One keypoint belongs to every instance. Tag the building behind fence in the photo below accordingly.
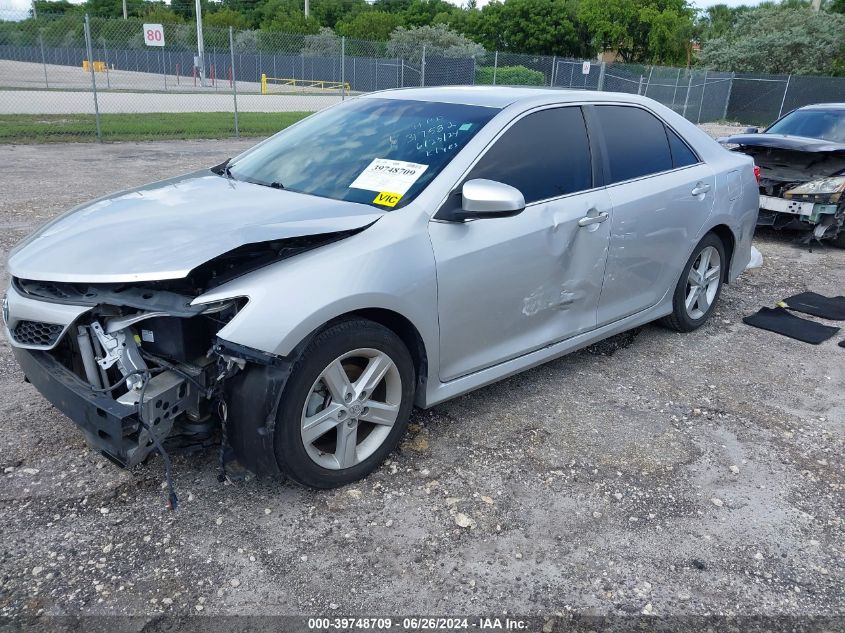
(44, 70)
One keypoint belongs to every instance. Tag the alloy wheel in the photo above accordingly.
(351, 408)
(703, 282)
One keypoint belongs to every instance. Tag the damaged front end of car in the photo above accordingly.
(802, 183)
(138, 365)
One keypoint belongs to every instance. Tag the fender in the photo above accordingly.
(289, 300)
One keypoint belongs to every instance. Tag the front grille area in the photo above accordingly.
(37, 333)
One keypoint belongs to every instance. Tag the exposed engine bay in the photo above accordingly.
(142, 364)
(150, 350)
(802, 186)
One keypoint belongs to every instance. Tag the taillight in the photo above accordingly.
(757, 173)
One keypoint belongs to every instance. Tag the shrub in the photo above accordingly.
(510, 76)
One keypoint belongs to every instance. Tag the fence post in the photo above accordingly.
(43, 58)
(343, 68)
(106, 60)
(701, 101)
(422, 68)
(90, 50)
(601, 77)
(686, 100)
(234, 81)
(648, 81)
(640, 86)
(785, 90)
(728, 98)
(554, 68)
(163, 69)
(675, 92)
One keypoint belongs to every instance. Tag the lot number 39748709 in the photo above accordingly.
(154, 35)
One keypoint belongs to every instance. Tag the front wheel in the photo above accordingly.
(346, 404)
(699, 286)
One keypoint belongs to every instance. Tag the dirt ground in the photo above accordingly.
(664, 474)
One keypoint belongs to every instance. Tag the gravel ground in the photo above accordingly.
(663, 473)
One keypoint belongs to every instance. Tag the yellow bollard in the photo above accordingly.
(263, 84)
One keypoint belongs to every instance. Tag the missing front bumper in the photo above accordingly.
(109, 426)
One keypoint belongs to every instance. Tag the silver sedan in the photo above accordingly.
(398, 249)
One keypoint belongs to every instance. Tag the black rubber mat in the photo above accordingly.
(818, 305)
(783, 322)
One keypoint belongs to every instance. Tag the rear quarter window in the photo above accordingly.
(682, 155)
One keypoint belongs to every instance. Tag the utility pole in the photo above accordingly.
(124, 10)
(200, 44)
(307, 9)
(35, 11)
(816, 5)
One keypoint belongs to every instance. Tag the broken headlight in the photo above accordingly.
(824, 190)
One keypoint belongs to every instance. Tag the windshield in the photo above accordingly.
(824, 124)
(381, 152)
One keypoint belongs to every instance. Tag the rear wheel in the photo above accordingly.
(699, 286)
(839, 240)
(345, 406)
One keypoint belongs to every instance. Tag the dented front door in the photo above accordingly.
(508, 286)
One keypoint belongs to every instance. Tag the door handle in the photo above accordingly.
(700, 187)
(587, 220)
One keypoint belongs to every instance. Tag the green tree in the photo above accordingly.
(439, 40)
(186, 9)
(392, 6)
(548, 27)
(287, 16)
(324, 43)
(626, 26)
(113, 8)
(778, 39)
(425, 12)
(55, 7)
(717, 21)
(330, 12)
(370, 25)
(225, 18)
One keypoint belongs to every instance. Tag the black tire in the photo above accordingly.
(334, 341)
(839, 240)
(680, 319)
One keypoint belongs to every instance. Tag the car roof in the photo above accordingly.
(501, 96)
(824, 106)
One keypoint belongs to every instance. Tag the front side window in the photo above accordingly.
(636, 142)
(545, 154)
(382, 152)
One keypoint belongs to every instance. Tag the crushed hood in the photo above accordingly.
(781, 141)
(164, 230)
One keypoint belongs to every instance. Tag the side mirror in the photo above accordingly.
(751, 130)
(481, 198)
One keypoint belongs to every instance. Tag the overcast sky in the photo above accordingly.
(23, 5)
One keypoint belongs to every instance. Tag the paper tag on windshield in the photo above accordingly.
(383, 174)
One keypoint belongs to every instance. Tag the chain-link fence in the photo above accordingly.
(95, 77)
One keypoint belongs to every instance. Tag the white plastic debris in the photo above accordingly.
(756, 259)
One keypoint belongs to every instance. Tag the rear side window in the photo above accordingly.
(545, 154)
(636, 142)
(681, 154)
